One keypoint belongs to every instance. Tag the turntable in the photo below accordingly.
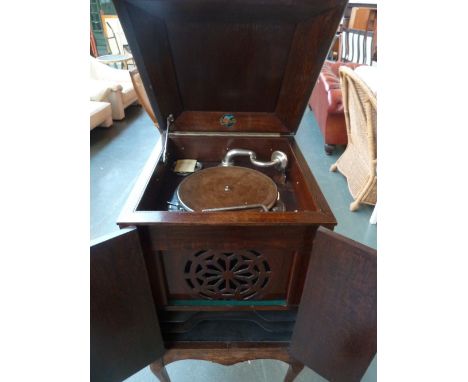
(227, 189)
(231, 188)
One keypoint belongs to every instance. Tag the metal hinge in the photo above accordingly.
(169, 122)
(223, 134)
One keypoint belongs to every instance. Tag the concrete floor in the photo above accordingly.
(117, 157)
(118, 154)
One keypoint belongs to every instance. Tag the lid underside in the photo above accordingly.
(230, 65)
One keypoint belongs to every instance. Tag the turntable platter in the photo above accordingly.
(226, 187)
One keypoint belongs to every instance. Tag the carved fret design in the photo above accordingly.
(239, 275)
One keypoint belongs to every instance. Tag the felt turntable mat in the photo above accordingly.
(219, 187)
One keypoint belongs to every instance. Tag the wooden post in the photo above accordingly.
(159, 370)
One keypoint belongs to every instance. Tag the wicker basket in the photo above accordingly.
(359, 161)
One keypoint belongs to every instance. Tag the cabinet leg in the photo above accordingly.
(159, 370)
(293, 370)
(329, 149)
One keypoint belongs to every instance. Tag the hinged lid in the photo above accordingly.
(230, 65)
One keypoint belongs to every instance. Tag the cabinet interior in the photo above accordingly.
(209, 151)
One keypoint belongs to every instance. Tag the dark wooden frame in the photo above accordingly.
(267, 98)
(290, 232)
(308, 188)
(164, 66)
(334, 332)
(227, 355)
(173, 43)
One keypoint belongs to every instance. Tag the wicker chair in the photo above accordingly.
(358, 163)
(142, 95)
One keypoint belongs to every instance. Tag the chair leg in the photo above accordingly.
(159, 370)
(373, 218)
(115, 99)
(329, 149)
(354, 206)
(107, 123)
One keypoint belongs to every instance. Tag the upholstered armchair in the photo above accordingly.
(327, 105)
(100, 109)
(121, 92)
(100, 114)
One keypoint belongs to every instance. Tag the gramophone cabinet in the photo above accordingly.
(220, 76)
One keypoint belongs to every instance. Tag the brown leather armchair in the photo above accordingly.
(327, 105)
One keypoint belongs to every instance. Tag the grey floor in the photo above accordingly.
(118, 155)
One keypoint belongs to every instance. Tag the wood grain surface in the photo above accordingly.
(230, 56)
(336, 327)
(125, 334)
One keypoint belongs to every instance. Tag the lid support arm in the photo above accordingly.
(169, 122)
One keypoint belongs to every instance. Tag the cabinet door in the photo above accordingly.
(125, 334)
(336, 327)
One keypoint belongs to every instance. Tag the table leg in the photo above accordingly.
(159, 370)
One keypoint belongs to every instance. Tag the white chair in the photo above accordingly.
(121, 92)
(100, 114)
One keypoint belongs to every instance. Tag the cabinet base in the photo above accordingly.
(254, 327)
(226, 354)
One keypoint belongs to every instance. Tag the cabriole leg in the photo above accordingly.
(293, 370)
(329, 149)
(159, 370)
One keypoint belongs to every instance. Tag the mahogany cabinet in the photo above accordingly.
(221, 76)
(333, 332)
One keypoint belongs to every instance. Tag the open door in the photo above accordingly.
(336, 327)
(125, 334)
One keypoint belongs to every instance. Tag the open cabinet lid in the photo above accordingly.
(336, 327)
(243, 66)
(125, 334)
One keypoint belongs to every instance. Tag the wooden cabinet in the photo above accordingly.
(222, 76)
(333, 333)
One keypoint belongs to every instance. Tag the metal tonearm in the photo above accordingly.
(278, 159)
